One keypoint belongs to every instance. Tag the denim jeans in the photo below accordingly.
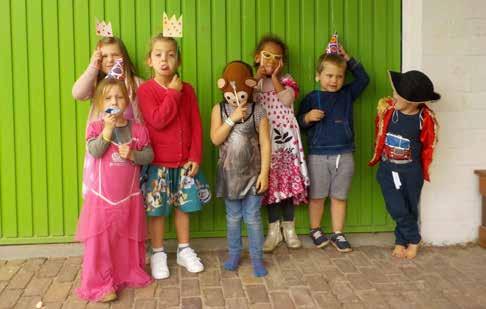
(403, 203)
(247, 208)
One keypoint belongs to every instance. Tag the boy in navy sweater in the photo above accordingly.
(326, 115)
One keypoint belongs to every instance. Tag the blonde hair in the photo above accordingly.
(332, 58)
(128, 67)
(102, 88)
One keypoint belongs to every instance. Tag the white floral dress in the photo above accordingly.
(288, 171)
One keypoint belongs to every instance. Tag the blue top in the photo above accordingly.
(333, 134)
(402, 142)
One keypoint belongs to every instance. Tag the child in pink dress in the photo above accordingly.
(289, 179)
(112, 223)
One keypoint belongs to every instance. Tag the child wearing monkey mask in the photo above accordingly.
(240, 129)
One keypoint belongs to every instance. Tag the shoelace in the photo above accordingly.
(340, 238)
(317, 234)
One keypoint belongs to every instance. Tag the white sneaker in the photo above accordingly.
(189, 259)
(158, 265)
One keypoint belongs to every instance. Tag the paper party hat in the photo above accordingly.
(103, 29)
(333, 45)
(172, 26)
(116, 71)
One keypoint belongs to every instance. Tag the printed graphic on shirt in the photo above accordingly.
(397, 148)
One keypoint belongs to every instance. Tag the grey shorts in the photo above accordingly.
(330, 176)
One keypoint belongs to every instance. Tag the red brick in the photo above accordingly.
(359, 282)
(27, 302)
(302, 297)
(170, 296)
(236, 303)
(68, 273)
(145, 292)
(125, 299)
(37, 286)
(50, 268)
(8, 271)
(281, 300)
(58, 292)
(345, 266)
(190, 287)
(20, 280)
(191, 303)
(232, 288)
(213, 297)
(210, 278)
(145, 304)
(257, 294)
(316, 283)
(9, 298)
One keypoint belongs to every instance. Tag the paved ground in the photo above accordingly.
(453, 277)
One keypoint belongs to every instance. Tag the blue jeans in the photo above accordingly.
(247, 208)
(402, 204)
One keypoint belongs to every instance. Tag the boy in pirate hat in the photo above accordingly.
(406, 135)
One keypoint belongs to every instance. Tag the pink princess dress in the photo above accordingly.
(288, 171)
(112, 222)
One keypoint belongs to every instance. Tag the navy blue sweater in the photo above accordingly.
(334, 133)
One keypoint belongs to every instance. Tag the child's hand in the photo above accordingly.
(262, 183)
(125, 151)
(109, 121)
(175, 83)
(260, 73)
(192, 167)
(96, 59)
(239, 113)
(278, 69)
(314, 115)
(343, 53)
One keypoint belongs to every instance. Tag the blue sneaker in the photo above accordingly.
(318, 238)
(340, 242)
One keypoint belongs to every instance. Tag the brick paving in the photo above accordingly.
(445, 277)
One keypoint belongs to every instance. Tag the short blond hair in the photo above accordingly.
(102, 88)
(332, 58)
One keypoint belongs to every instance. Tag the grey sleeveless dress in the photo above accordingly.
(239, 156)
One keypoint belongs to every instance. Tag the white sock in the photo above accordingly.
(160, 249)
(182, 246)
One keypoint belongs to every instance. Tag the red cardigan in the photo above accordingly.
(428, 133)
(173, 121)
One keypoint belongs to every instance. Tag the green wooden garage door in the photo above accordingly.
(46, 44)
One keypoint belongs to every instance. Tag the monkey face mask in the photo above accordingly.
(237, 83)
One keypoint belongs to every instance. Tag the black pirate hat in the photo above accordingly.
(413, 86)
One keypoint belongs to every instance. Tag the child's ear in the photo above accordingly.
(317, 78)
(257, 58)
(250, 82)
(221, 83)
(149, 62)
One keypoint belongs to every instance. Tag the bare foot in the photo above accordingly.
(399, 251)
(412, 250)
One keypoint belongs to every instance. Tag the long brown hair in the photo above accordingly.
(128, 67)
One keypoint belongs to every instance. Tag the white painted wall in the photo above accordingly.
(447, 40)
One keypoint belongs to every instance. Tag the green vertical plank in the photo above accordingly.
(248, 30)
(97, 12)
(174, 8)
(38, 124)
(22, 119)
(277, 17)
(203, 75)
(83, 52)
(53, 118)
(381, 88)
(263, 17)
(366, 112)
(190, 68)
(112, 14)
(292, 38)
(219, 59)
(8, 196)
(355, 205)
(336, 18)
(323, 30)
(143, 35)
(128, 28)
(68, 117)
(157, 9)
(233, 24)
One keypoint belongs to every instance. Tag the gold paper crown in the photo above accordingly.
(172, 27)
(103, 29)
